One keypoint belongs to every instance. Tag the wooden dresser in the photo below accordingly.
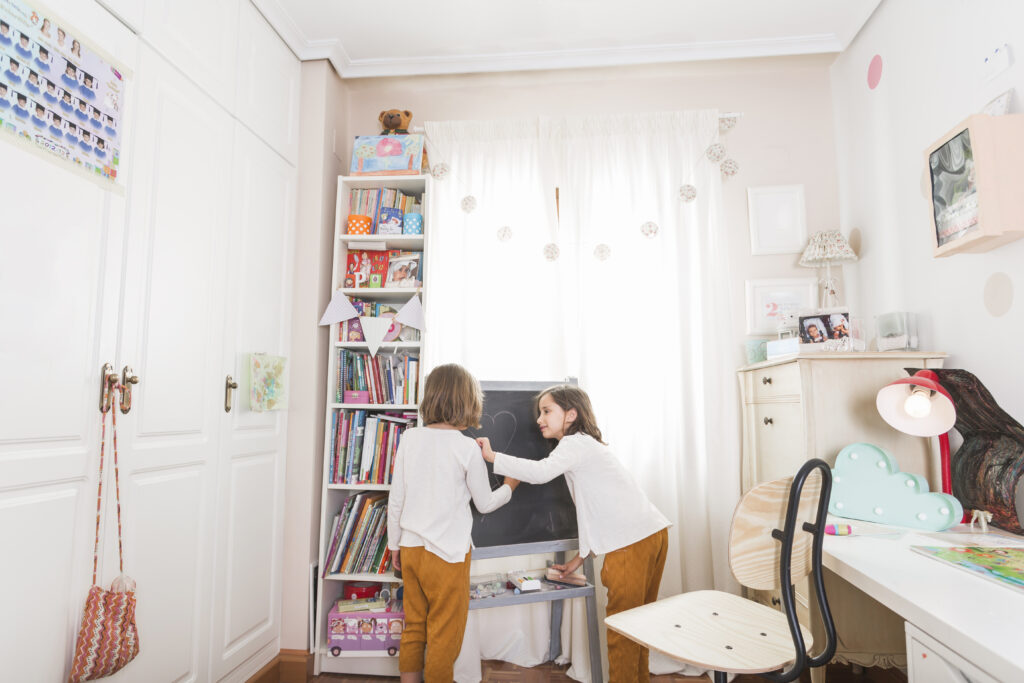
(797, 408)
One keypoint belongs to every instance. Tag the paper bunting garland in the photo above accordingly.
(374, 330)
(411, 314)
(339, 310)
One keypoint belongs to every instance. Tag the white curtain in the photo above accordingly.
(641, 320)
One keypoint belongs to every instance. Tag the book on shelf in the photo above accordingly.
(390, 221)
(373, 201)
(365, 268)
(389, 378)
(364, 446)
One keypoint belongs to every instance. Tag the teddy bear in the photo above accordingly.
(395, 121)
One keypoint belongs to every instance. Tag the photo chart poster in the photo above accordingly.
(58, 91)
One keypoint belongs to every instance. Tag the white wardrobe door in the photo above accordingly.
(247, 592)
(200, 37)
(173, 320)
(268, 84)
(61, 241)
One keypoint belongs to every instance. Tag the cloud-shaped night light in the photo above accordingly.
(867, 484)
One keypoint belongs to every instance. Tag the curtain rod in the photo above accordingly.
(726, 115)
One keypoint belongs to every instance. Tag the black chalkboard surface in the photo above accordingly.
(536, 513)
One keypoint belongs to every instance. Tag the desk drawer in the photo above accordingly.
(929, 661)
(778, 440)
(776, 381)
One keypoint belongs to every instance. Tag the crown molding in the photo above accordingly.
(306, 49)
(297, 41)
(571, 59)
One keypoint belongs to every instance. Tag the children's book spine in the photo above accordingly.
(331, 544)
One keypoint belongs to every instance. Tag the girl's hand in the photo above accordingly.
(396, 562)
(485, 448)
(512, 483)
(569, 567)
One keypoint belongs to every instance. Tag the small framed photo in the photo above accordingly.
(821, 327)
(404, 271)
(775, 301)
(778, 219)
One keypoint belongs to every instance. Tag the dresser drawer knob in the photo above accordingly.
(769, 421)
(766, 380)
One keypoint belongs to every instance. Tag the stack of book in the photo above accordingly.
(363, 446)
(359, 538)
(369, 202)
(382, 379)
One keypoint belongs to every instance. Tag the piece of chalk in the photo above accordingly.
(839, 530)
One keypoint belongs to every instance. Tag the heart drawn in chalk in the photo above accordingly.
(500, 428)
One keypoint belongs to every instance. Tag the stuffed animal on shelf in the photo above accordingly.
(395, 121)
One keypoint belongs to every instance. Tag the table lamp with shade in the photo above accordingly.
(823, 249)
(920, 406)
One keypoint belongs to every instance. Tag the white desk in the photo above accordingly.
(975, 617)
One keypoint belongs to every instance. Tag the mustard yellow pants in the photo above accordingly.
(436, 604)
(632, 576)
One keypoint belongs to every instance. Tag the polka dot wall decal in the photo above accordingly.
(602, 252)
(998, 294)
(875, 71)
(730, 168)
(504, 234)
(551, 251)
(468, 203)
(687, 193)
(649, 229)
(440, 171)
(716, 152)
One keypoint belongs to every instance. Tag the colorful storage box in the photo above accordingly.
(364, 631)
(359, 224)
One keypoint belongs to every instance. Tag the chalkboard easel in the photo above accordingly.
(538, 519)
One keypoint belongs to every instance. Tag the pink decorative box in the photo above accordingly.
(356, 397)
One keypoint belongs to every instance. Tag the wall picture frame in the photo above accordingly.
(778, 300)
(778, 219)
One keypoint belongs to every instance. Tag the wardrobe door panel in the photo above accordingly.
(171, 337)
(247, 605)
(268, 84)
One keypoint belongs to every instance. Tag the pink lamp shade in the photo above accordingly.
(917, 405)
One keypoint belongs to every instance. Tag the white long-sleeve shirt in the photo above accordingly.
(611, 510)
(437, 471)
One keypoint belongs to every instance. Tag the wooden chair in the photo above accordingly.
(725, 633)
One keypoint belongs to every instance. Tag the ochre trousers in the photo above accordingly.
(632, 576)
(436, 606)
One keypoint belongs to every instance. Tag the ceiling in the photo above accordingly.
(407, 37)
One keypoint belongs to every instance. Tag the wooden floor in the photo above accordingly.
(502, 672)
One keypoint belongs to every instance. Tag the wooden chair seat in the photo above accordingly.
(712, 630)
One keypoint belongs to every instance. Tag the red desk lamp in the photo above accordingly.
(919, 406)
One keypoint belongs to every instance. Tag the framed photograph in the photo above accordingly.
(778, 219)
(821, 327)
(775, 301)
(404, 270)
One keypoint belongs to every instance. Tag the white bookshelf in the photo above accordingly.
(333, 496)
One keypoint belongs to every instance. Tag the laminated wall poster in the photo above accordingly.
(267, 383)
(59, 92)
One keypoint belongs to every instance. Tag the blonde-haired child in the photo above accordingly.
(613, 515)
(437, 471)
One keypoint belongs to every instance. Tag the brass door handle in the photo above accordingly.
(128, 378)
(108, 380)
(229, 384)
